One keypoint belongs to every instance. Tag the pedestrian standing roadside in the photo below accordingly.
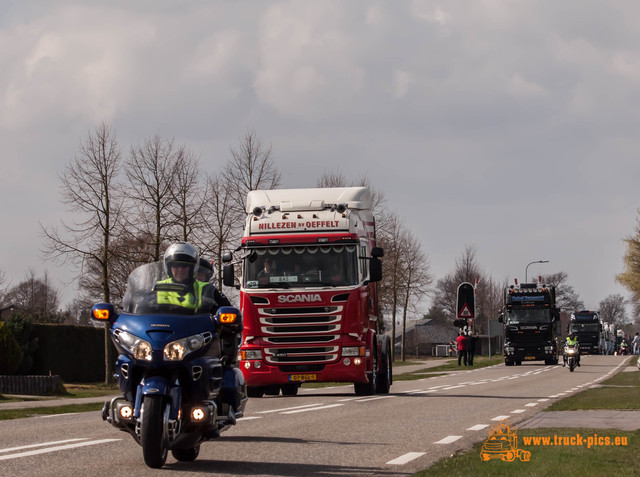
(471, 347)
(462, 348)
(636, 344)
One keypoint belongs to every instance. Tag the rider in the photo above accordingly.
(572, 341)
(181, 261)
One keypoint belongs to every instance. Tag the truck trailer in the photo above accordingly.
(308, 291)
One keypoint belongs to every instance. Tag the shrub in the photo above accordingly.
(10, 352)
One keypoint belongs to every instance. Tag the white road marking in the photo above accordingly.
(289, 408)
(313, 408)
(448, 440)
(403, 459)
(374, 398)
(500, 418)
(531, 404)
(56, 415)
(57, 448)
(12, 449)
(453, 387)
(478, 427)
(518, 411)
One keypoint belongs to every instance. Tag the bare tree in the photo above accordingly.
(489, 301)
(37, 297)
(89, 187)
(188, 195)
(612, 309)
(221, 223)
(391, 239)
(417, 279)
(566, 297)
(251, 167)
(151, 169)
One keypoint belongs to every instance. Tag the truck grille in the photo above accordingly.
(315, 354)
(301, 335)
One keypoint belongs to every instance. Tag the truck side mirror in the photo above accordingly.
(375, 270)
(227, 257)
(501, 318)
(377, 252)
(228, 275)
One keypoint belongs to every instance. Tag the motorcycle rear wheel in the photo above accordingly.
(154, 450)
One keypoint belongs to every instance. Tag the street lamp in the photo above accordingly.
(527, 267)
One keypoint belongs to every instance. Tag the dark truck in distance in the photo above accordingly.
(587, 328)
(531, 321)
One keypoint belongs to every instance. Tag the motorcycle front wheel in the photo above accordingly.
(154, 450)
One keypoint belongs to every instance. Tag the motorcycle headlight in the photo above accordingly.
(139, 348)
(177, 350)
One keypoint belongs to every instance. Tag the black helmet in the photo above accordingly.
(181, 253)
(572, 335)
(205, 270)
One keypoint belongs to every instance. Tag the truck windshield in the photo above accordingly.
(585, 327)
(295, 267)
(529, 315)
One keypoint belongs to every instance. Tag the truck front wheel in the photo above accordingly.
(386, 372)
(366, 389)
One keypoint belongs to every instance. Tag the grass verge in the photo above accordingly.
(7, 414)
(576, 453)
(551, 460)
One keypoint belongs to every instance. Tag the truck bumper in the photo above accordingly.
(339, 372)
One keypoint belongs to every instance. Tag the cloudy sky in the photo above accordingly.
(509, 126)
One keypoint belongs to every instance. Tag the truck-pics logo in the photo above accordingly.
(502, 443)
(309, 298)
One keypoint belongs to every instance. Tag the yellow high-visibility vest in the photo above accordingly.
(188, 301)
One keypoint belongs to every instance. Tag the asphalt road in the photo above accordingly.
(321, 432)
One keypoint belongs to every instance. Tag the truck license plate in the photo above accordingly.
(303, 377)
(529, 357)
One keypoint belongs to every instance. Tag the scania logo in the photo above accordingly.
(309, 298)
(528, 327)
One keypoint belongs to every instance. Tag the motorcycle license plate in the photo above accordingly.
(303, 377)
(529, 357)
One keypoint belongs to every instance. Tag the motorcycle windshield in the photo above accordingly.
(150, 291)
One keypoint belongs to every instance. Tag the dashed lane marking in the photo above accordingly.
(403, 459)
(478, 427)
(57, 448)
(448, 440)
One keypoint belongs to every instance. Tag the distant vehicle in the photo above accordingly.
(531, 324)
(585, 324)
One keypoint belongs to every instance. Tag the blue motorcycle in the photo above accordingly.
(177, 369)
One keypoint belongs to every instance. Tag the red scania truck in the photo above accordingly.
(308, 291)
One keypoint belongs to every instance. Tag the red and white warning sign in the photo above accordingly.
(465, 312)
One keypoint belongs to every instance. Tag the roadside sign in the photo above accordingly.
(466, 301)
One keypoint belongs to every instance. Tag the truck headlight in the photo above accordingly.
(548, 349)
(177, 350)
(249, 354)
(139, 348)
(353, 351)
(509, 349)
